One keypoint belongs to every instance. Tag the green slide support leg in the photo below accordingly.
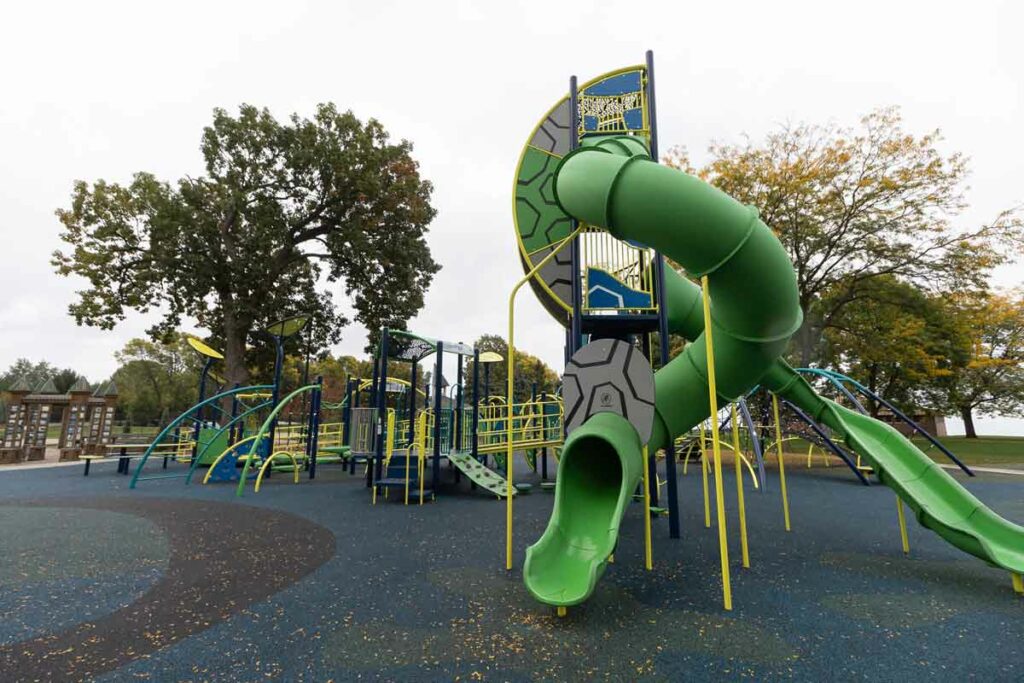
(601, 465)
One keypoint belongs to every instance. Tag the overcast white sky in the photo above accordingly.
(103, 89)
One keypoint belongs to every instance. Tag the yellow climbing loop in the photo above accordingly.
(267, 464)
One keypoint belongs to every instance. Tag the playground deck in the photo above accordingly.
(310, 582)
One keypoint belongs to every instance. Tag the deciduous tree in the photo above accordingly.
(854, 204)
(280, 208)
(989, 378)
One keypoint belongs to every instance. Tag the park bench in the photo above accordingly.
(126, 452)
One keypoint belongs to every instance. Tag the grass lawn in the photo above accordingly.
(985, 450)
(997, 451)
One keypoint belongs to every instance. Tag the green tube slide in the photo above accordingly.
(595, 483)
(611, 182)
(939, 502)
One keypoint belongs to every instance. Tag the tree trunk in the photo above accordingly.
(874, 407)
(809, 337)
(234, 350)
(967, 416)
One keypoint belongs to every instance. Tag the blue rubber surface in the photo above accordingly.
(420, 593)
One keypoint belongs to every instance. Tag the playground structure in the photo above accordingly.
(403, 433)
(596, 218)
(399, 431)
(86, 422)
(594, 214)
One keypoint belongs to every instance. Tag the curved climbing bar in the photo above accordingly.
(188, 414)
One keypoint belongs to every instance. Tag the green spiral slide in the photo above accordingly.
(611, 182)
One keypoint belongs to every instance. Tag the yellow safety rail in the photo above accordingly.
(331, 434)
(419, 445)
(534, 424)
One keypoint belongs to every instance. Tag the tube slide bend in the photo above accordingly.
(611, 182)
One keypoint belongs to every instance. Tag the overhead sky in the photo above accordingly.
(103, 89)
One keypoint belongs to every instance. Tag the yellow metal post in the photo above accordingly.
(739, 487)
(782, 463)
(1018, 582)
(716, 449)
(511, 369)
(648, 550)
(903, 526)
(704, 477)
(561, 610)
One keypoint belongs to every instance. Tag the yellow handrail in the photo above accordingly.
(511, 370)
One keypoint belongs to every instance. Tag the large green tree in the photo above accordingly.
(37, 373)
(896, 340)
(854, 204)
(988, 377)
(280, 208)
(156, 380)
(530, 371)
(33, 373)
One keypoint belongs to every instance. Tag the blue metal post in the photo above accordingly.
(197, 421)
(436, 464)
(276, 391)
(312, 442)
(382, 405)
(828, 442)
(458, 403)
(663, 336)
(412, 403)
(755, 440)
(476, 399)
(577, 286)
(233, 431)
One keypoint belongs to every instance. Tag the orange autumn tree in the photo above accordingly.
(988, 378)
(851, 205)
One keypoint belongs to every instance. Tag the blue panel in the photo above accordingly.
(634, 119)
(616, 85)
(605, 291)
(589, 123)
